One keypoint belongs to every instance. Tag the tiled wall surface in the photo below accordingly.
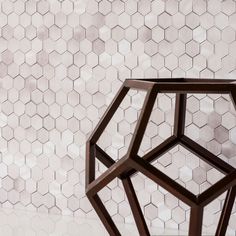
(61, 63)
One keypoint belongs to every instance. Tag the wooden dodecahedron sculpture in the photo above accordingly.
(132, 163)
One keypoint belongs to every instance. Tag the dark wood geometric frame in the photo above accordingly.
(131, 163)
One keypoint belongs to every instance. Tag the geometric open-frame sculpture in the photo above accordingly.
(132, 163)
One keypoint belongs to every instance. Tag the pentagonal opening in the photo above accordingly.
(211, 122)
(162, 210)
(187, 169)
(160, 124)
(116, 137)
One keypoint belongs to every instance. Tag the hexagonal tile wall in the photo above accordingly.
(61, 63)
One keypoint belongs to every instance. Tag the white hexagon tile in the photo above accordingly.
(61, 63)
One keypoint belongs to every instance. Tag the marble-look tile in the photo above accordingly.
(61, 63)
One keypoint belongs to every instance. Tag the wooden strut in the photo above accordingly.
(131, 163)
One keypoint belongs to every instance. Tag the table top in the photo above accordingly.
(184, 85)
(184, 80)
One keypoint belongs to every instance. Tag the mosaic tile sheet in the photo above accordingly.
(61, 63)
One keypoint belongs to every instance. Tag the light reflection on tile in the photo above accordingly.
(22, 223)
